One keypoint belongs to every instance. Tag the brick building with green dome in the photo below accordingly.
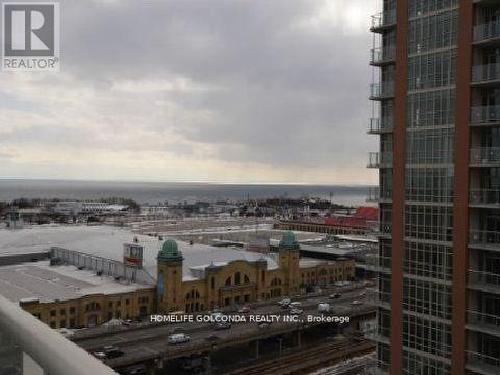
(240, 281)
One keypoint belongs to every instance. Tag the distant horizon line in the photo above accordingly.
(184, 182)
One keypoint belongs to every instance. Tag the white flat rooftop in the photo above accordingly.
(41, 281)
(107, 242)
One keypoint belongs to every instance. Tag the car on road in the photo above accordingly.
(112, 352)
(222, 325)
(295, 305)
(99, 355)
(296, 311)
(356, 303)
(335, 296)
(245, 309)
(285, 302)
(212, 338)
(178, 338)
(363, 293)
(324, 307)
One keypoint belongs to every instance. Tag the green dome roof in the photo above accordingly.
(169, 250)
(288, 241)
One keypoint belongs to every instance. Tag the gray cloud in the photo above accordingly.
(264, 84)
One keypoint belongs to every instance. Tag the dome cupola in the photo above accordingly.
(169, 251)
(289, 242)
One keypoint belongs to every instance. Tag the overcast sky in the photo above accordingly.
(210, 90)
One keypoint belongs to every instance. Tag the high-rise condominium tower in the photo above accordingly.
(437, 112)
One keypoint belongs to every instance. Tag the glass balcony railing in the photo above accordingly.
(486, 31)
(482, 364)
(485, 238)
(429, 195)
(485, 73)
(380, 334)
(485, 155)
(485, 114)
(382, 55)
(28, 346)
(377, 298)
(379, 159)
(479, 318)
(484, 197)
(485, 279)
(380, 125)
(379, 91)
(376, 263)
(383, 19)
(376, 195)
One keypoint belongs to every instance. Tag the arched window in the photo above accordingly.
(275, 282)
(237, 278)
(212, 283)
(228, 281)
(247, 279)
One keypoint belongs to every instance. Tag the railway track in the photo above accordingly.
(308, 360)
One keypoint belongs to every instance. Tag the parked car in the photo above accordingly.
(178, 338)
(356, 303)
(295, 305)
(296, 311)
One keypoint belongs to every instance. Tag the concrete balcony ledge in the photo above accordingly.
(43, 350)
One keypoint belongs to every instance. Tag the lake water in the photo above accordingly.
(158, 192)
